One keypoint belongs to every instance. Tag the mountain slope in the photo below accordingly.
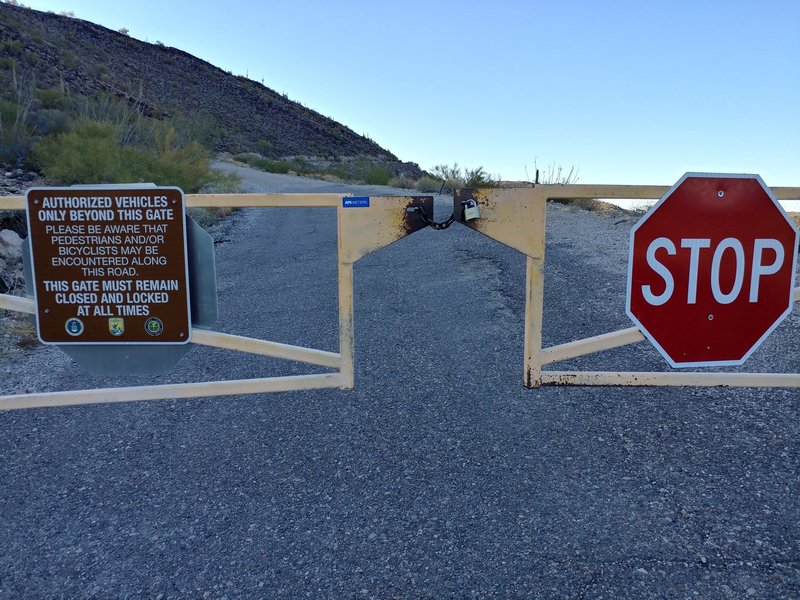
(227, 112)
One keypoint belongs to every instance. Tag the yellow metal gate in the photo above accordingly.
(361, 231)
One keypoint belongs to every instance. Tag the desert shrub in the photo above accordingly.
(15, 134)
(270, 166)
(69, 60)
(361, 169)
(339, 171)
(202, 127)
(478, 177)
(452, 177)
(378, 175)
(130, 125)
(49, 121)
(52, 98)
(181, 163)
(265, 147)
(455, 177)
(582, 203)
(12, 47)
(428, 184)
(358, 168)
(88, 153)
(275, 166)
(364, 170)
(401, 181)
(99, 69)
(91, 152)
(554, 174)
(8, 110)
(447, 173)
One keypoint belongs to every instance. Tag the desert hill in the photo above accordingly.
(65, 55)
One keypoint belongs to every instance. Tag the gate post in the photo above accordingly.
(346, 327)
(534, 312)
(516, 218)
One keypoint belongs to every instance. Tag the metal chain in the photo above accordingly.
(430, 222)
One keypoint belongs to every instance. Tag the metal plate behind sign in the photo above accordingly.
(151, 359)
(109, 265)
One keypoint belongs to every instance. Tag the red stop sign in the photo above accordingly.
(711, 269)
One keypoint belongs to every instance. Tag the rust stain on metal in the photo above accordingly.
(512, 216)
(412, 221)
(386, 220)
(481, 195)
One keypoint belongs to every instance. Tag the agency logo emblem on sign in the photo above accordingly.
(154, 326)
(116, 326)
(74, 326)
(106, 259)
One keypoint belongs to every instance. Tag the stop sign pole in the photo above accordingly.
(711, 269)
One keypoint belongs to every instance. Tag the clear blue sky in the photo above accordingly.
(626, 91)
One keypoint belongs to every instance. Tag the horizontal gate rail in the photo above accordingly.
(228, 201)
(174, 391)
(248, 345)
(552, 192)
(643, 378)
(205, 337)
(605, 341)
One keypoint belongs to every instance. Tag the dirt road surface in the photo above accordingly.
(439, 475)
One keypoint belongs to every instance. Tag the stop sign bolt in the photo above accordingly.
(720, 193)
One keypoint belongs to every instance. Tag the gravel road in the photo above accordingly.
(439, 475)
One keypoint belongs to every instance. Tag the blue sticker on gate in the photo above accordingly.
(359, 202)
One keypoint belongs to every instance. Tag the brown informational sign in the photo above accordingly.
(109, 265)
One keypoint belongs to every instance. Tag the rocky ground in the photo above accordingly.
(17, 333)
(12, 229)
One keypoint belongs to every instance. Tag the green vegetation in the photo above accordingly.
(451, 178)
(52, 99)
(428, 184)
(15, 134)
(101, 140)
(361, 170)
(402, 181)
(91, 152)
(269, 165)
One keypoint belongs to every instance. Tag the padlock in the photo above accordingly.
(471, 210)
